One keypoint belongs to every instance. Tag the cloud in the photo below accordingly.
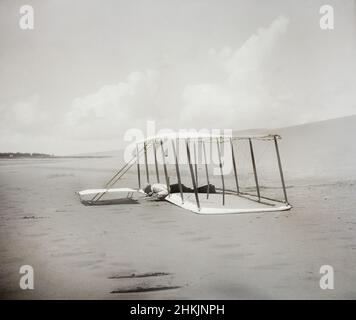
(249, 59)
(243, 96)
(209, 105)
(113, 107)
(27, 125)
(239, 93)
(265, 82)
(24, 116)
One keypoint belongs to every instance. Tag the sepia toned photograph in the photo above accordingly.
(195, 150)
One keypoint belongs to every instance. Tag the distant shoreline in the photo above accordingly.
(20, 155)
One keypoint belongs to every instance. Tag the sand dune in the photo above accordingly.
(321, 149)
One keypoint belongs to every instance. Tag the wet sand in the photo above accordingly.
(155, 250)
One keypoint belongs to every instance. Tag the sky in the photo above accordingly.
(91, 70)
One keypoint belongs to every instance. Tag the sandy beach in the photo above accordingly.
(156, 250)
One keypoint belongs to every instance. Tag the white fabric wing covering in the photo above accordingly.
(95, 191)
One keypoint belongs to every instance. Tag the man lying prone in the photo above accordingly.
(159, 191)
